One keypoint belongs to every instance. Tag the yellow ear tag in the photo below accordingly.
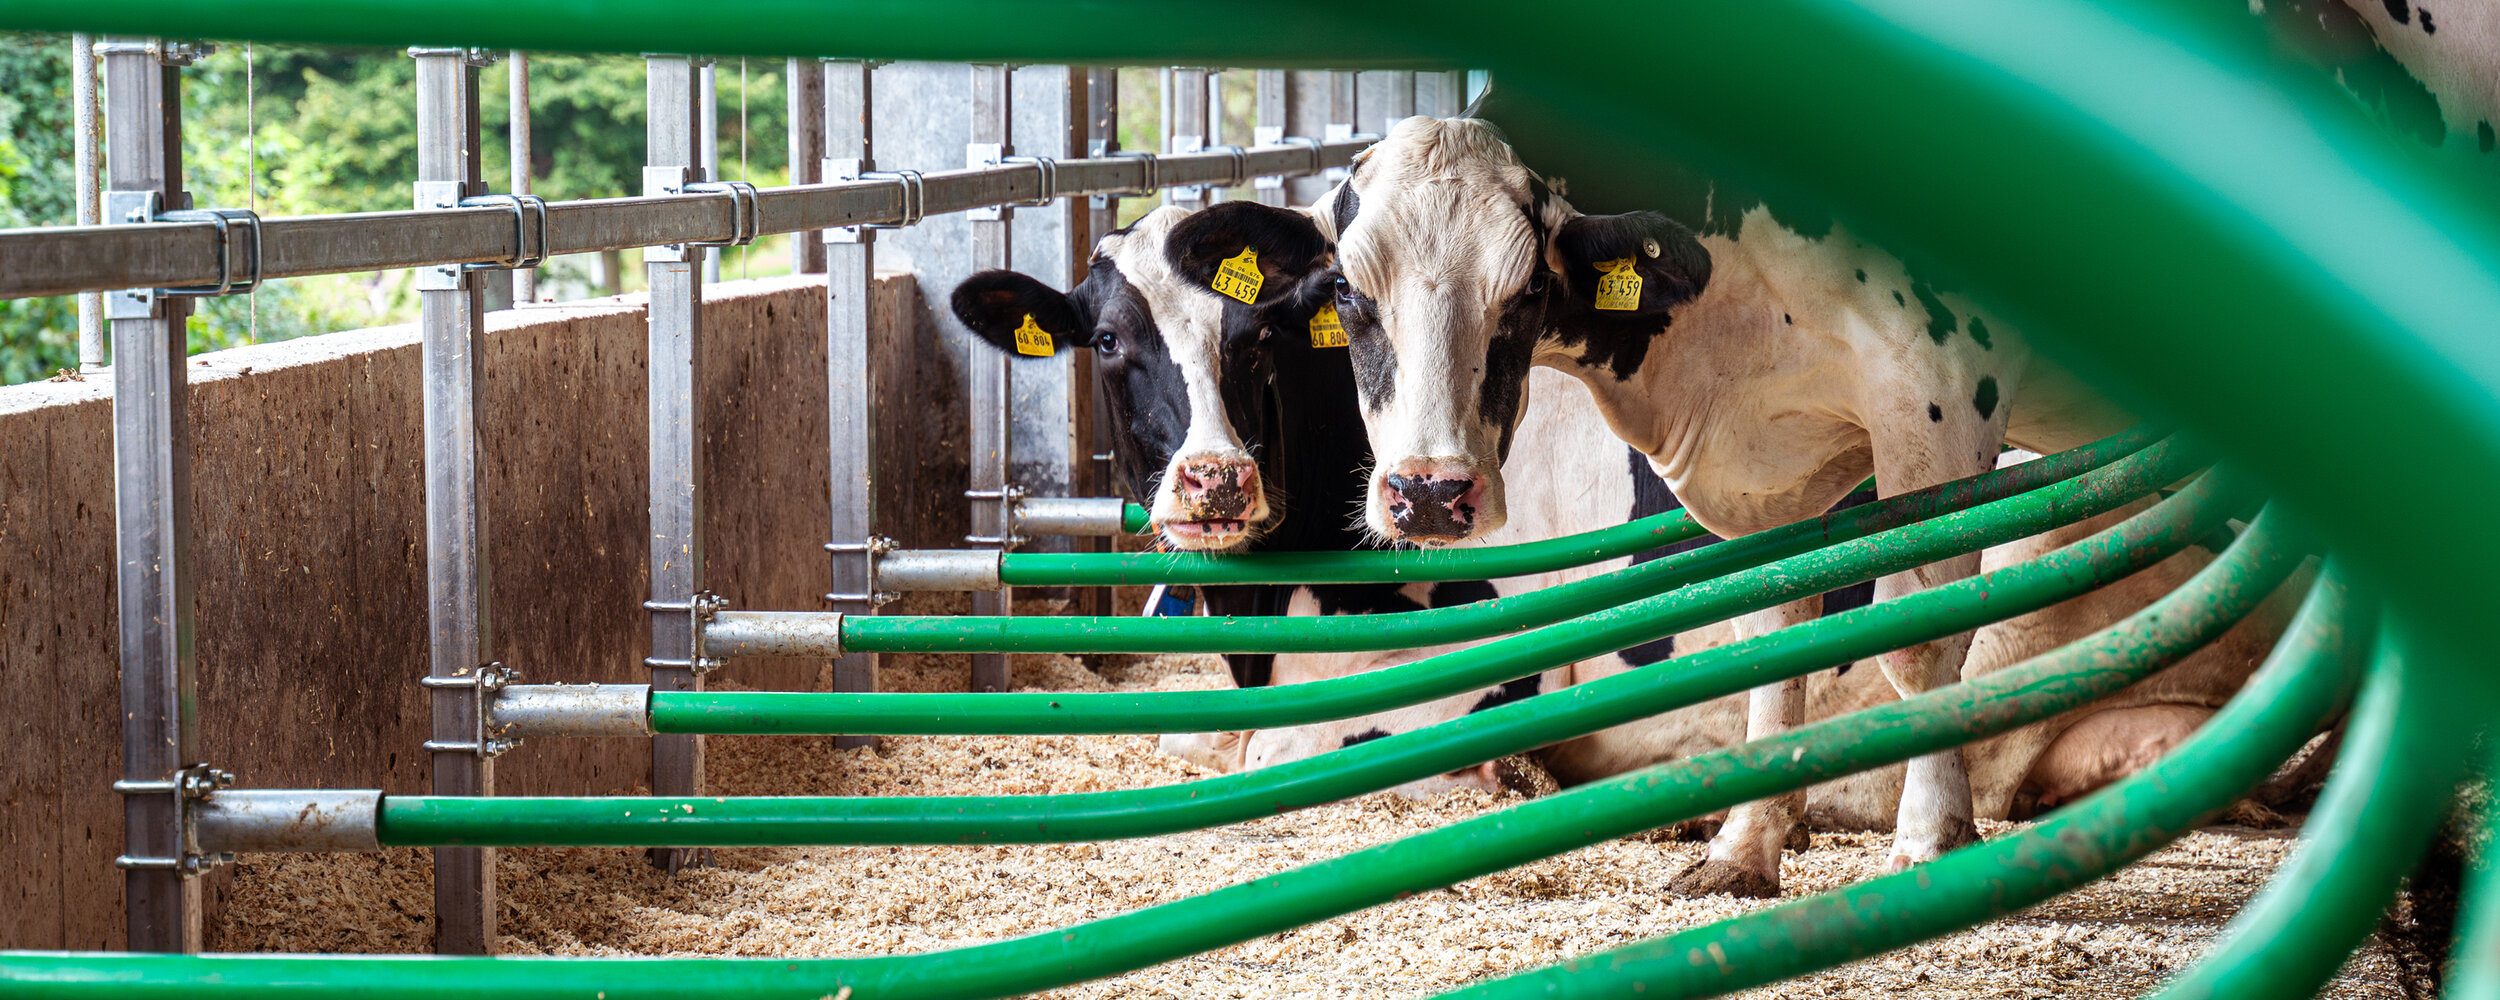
(1326, 330)
(1620, 288)
(1239, 277)
(1032, 340)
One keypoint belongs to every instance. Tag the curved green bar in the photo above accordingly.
(1602, 630)
(2409, 743)
(1094, 569)
(1133, 519)
(2288, 701)
(2141, 472)
(408, 821)
(2300, 688)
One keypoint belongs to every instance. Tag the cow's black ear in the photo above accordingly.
(996, 304)
(1289, 245)
(1671, 265)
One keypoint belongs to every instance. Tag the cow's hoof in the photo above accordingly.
(1906, 856)
(1798, 838)
(1712, 877)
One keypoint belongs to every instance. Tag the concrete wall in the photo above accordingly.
(310, 562)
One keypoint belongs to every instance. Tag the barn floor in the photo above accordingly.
(2118, 938)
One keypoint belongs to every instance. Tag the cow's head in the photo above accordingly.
(1184, 372)
(1458, 271)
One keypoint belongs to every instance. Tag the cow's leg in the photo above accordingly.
(1744, 857)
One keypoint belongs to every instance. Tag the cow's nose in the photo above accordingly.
(1433, 503)
(1218, 489)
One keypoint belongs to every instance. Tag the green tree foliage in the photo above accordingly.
(36, 188)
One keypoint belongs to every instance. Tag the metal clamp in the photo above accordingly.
(169, 53)
(870, 552)
(1241, 164)
(746, 214)
(484, 682)
(1050, 179)
(224, 219)
(187, 786)
(1154, 174)
(480, 58)
(522, 206)
(1006, 497)
(911, 197)
(1319, 157)
(699, 610)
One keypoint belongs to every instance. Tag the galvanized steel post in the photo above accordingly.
(849, 257)
(1397, 98)
(807, 153)
(1342, 95)
(1184, 126)
(152, 516)
(84, 114)
(524, 280)
(1268, 128)
(450, 306)
(676, 313)
(987, 374)
(707, 139)
(1101, 215)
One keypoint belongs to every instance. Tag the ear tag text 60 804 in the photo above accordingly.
(1238, 276)
(1326, 329)
(1619, 287)
(1032, 340)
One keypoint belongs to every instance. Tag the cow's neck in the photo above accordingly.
(1743, 402)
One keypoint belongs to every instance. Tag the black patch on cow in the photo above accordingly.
(1985, 400)
(1651, 497)
(2398, 12)
(2484, 138)
(1375, 361)
(2427, 27)
(1366, 736)
(1784, 319)
(1363, 599)
(1620, 339)
(1979, 334)
(1430, 506)
(1525, 687)
(1861, 276)
(1289, 246)
(1452, 593)
(1899, 301)
(1935, 414)
(1940, 320)
(1249, 670)
(992, 304)
(1342, 210)
(1507, 358)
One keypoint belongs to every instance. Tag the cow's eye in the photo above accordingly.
(1107, 342)
(1538, 282)
(1345, 289)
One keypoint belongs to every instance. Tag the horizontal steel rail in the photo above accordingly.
(68, 259)
(1365, 767)
(812, 633)
(2283, 707)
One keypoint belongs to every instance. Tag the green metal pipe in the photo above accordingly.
(1133, 519)
(2408, 745)
(1364, 767)
(2304, 682)
(1599, 631)
(2287, 702)
(1763, 586)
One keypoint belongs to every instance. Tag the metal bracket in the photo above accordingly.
(1050, 178)
(169, 53)
(187, 785)
(147, 208)
(1319, 154)
(1183, 145)
(835, 170)
(1267, 135)
(440, 196)
(869, 551)
(480, 58)
(669, 182)
(1097, 149)
(483, 682)
(746, 213)
(1154, 174)
(522, 206)
(1337, 132)
(986, 154)
(699, 610)
(1241, 165)
(1006, 497)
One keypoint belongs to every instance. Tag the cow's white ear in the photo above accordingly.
(1019, 315)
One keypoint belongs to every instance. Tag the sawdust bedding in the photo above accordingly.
(2117, 938)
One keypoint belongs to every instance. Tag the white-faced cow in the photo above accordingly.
(1762, 372)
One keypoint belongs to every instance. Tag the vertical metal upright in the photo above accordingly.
(1185, 126)
(1102, 215)
(1442, 94)
(451, 307)
(674, 274)
(847, 129)
(524, 280)
(1342, 91)
(1268, 128)
(987, 388)
(807, 153)
(707, 98)
(152, 509)
(83, 113)
(1398, 101)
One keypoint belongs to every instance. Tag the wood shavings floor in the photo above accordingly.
(2117, 938)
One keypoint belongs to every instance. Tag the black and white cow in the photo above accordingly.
(1761, 371)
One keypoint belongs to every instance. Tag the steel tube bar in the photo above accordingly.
(849, 137)
(521, 711)
(234, 821)
(461, 641)
(84, 115)
(2409, 743)
(989, 386)
(909, 570)
(675, 361)
(1071, 516)
(152, 520)
(2140, 473)
(1441, 676)
(65, 260)
(2304, 683)
(1645, 799)
(1026, 569)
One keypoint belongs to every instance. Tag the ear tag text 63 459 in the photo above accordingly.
(1326, 329)
(1619, 287)
(1032, 340)
(1238, 276)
